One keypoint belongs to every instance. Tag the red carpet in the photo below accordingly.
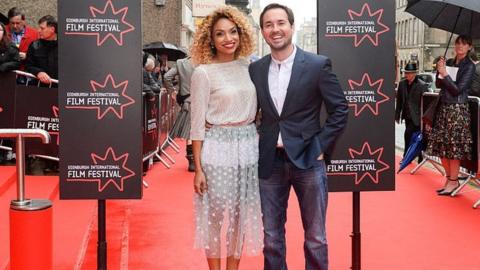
(410, 228)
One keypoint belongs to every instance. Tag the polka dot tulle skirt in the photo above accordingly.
(228, 216)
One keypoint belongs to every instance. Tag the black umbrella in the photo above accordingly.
(460, 17)
(158, 48)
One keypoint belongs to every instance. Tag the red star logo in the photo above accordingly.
(372, 170)
(377, 85)
(109, 84)
(55, 111)
(367, 153)
(365, 14)
(109, 159)
(112, 160)
(108, 12)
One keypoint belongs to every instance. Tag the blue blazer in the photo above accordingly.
(312, 84)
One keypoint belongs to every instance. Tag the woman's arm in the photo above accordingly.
(200, 95)
(199, 181)
(463, 82)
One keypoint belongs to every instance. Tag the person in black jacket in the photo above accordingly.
(451, 138)
(9, 56)
(42, 56)
(409, 97)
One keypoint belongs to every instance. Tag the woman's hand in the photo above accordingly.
(200, 182)
(441, 67)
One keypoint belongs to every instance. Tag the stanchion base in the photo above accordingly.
(30, 205)
(31, 238)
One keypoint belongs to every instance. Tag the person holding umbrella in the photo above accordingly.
(409, 97)
(451, 139)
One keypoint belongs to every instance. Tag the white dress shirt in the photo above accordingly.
(279, 75)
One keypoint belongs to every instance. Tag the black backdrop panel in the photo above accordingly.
(37, 107)
(359, 38)
(100, 99)
(7, 99)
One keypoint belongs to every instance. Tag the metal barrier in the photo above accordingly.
(30, 77)
(30, 219)
(473, 167)
(166, 108)
(163, 127)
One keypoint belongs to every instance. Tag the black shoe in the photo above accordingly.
(445, 193)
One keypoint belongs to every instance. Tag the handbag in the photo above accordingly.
(428, 116)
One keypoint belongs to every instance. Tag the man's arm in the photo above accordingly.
(335, 104)
(169, 77)
(33, 67)
(31, 62)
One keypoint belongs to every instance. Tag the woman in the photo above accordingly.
(9, 56)
(225, 155)
(451, 139)
(181, 126)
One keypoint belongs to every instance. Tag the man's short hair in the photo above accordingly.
(291, 17)
(50, 20)
(13, 12)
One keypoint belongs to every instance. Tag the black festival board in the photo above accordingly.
(37, 107)
(359, 38)
(7, 99)
(100, 99)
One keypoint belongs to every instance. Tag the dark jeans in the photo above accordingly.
(410, 128)
(311, 188)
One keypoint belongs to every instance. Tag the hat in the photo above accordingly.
(410, 67)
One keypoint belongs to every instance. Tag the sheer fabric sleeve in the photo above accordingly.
(200, 95)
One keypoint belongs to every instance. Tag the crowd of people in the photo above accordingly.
(34, 51)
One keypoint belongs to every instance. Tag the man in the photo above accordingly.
(291, 87)
(42, 60)
(409, 96)
(181, 127)
(19, 32)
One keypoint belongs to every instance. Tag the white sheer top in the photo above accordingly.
(221, 94)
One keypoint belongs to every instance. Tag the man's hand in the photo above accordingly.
(320, 157)
(200, 183)
(23, 56)
(208, 126)
(44, 78)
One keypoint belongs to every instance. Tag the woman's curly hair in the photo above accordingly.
(202, 52)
